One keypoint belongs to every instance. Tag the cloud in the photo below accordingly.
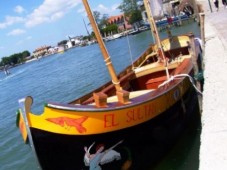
(16, 32)
(81, 10)
(115, 7)
(105, 10)
(50, 11)
(19, 9)
(10, 20)
(56, 16)
(102, 9)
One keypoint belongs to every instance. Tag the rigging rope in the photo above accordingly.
(129, 47)
(130, 52)
(181, 76)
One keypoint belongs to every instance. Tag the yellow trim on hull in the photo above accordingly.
(22, 128)
(72, 122)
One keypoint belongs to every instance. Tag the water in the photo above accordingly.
(63, 77)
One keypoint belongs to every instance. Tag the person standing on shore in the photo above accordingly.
(216, 3)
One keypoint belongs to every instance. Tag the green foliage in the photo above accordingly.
(97, 15)
(5, 61)
(131, 10)
(135, 17)
(102, 22)
(93, 35)
(128, 6)
(15, 58)
(63, 42)
(110, 28)
(85, 37)
(25, 54)
(100, 19)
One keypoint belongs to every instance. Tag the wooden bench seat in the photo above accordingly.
(156, 67)
(132, 95)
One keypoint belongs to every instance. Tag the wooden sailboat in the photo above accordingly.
(128, 123)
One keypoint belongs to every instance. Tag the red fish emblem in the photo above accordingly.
(70, 122)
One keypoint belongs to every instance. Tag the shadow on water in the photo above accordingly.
(185, 153)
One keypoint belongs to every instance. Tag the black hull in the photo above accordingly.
(143, 145)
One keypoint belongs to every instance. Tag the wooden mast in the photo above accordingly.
(156, 34)
(102, 46)
(150, 19)
(122, 95)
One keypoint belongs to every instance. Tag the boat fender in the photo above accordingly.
(199, 76)
(17, 118)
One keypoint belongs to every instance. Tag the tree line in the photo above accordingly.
(15, 59)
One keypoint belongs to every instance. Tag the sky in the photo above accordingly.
(29, 24)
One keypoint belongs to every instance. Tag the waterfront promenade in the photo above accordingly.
(213, 149)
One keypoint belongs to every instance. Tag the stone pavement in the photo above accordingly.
(213, 148)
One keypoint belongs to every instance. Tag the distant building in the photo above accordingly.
(120, 22)
(73, 42)
(169, 7)
(41, 51)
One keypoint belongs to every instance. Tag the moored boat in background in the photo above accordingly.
(128, 123)
(61, 49)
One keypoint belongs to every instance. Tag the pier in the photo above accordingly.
(213, 148)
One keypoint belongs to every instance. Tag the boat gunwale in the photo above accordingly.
(115, 105)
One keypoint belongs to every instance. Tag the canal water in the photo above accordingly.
(63, 77)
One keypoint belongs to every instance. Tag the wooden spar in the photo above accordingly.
(151, 20)
(156, 34)
(154, 28)
(122, 95)
(102, 47)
